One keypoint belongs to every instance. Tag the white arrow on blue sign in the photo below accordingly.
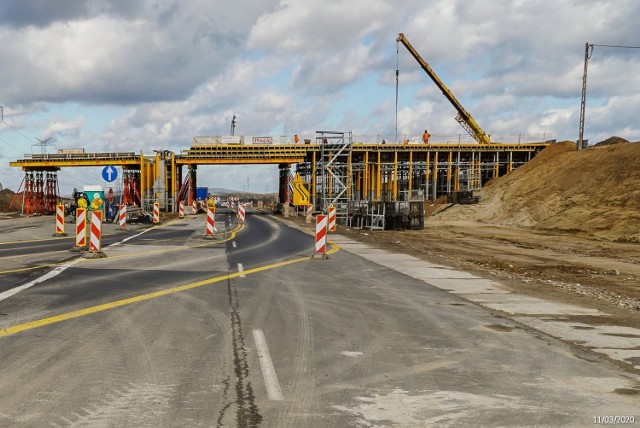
(109, 173)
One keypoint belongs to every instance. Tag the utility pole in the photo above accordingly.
(583, 102)
(588, 51)
(233, 124)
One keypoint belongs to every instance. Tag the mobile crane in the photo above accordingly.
(463, 117)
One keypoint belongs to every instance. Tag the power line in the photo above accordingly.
(25, 137)
(616, 46)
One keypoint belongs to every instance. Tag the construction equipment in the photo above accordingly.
(463, 117)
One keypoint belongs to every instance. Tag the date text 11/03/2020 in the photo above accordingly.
(614, 420)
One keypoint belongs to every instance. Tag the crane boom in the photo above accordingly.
(464, 118)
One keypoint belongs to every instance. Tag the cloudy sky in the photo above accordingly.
(125, 75)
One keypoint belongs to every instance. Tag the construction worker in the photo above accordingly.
(425, 137)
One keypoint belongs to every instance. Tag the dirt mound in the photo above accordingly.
(594, 191)
(6, 196)
(611, 140)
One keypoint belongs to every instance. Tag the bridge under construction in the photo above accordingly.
(332, 170)
(360, 180)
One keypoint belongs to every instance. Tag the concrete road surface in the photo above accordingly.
(246, 330)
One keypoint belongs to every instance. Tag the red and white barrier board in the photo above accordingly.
(332, 218)
(81, 227)
(241, 212)
(60, 219)
(321, 234)
(156, 212)
(95, 238)
(211, 226)
(122, 217)
(181, 209)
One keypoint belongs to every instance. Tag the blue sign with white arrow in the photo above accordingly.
(109, 173)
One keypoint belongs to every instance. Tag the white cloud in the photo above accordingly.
(151, 75)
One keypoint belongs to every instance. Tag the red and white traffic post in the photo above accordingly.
(95, 238)
(194, 206)
(122, 216)
(332, 218)
(321, 235)
(241, 212)
(309, 216)
(181, 209)
(156, 212)
(81, 227)
(211, 226)
(60, 221)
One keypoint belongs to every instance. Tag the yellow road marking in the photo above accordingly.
(148, 296)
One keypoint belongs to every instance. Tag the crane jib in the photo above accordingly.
(464, 118)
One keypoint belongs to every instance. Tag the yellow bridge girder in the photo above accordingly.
(377, 168)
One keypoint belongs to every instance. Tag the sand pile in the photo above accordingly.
(595, 191)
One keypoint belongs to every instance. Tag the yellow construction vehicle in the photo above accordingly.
(463, 117)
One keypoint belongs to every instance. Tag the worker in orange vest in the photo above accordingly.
(425, 137)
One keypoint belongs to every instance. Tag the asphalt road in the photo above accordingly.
(246, 330)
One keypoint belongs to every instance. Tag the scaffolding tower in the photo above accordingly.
(333, 172)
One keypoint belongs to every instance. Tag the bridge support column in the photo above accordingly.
(284, 194)
(192, 183)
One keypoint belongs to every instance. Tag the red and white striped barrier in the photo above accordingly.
(95, 238)
(156, 212)
(321, 234)
(211, 226)
(181, 209)
(241, 212)
(81, 227)
(60, 220)
(309, 216)
(194, 206)
(122, 217)
(332, 218)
